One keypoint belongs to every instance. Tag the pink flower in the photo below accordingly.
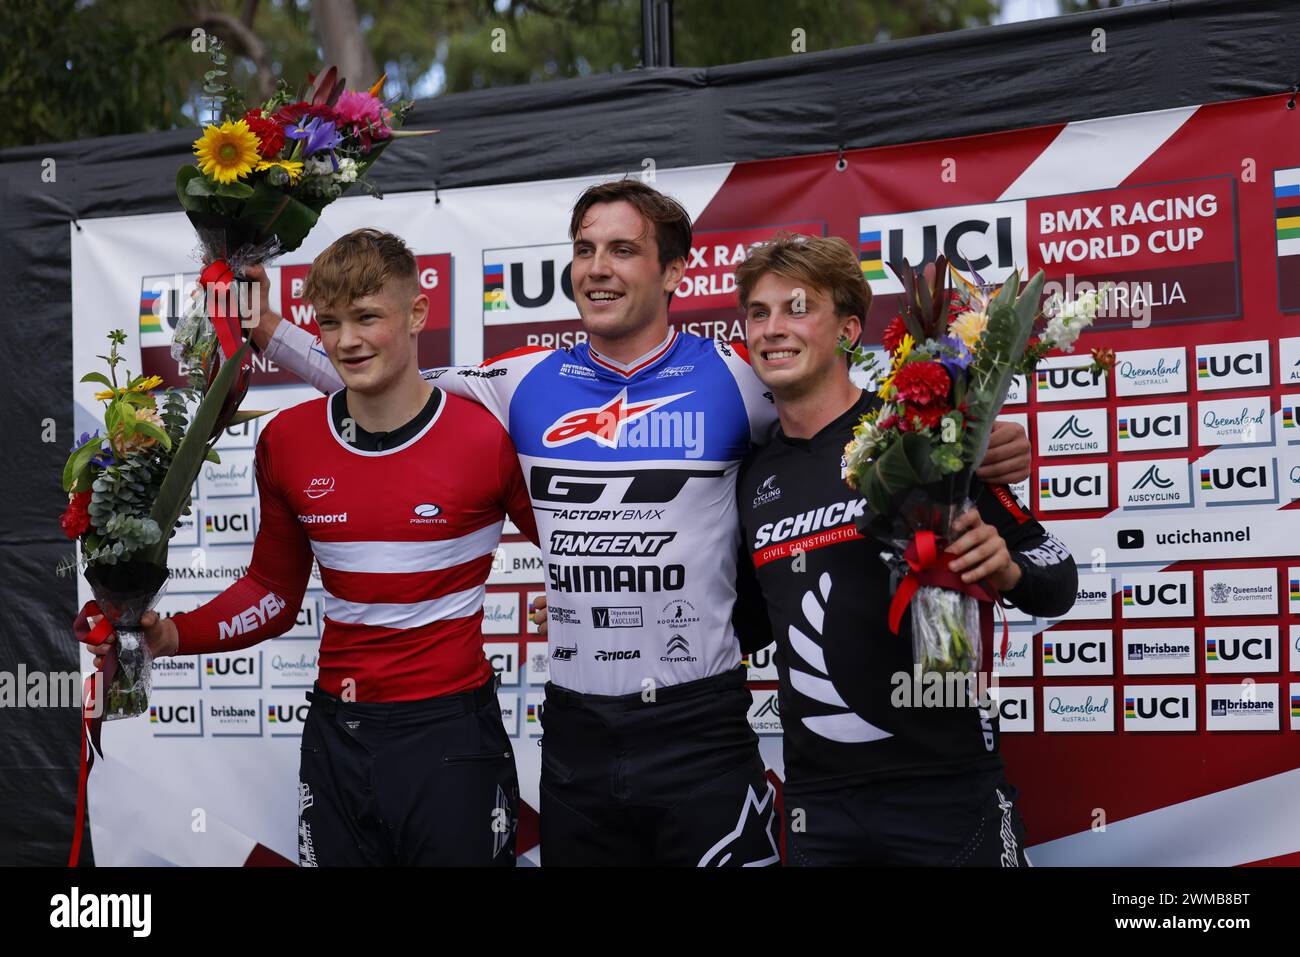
(365, 114)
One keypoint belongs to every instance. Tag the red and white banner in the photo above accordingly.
(1155, 724)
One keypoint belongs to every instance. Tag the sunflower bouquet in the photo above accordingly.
(951, 356)
(261, 177)
(127, 490)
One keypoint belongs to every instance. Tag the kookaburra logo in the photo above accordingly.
(842, 724)
(751, 837)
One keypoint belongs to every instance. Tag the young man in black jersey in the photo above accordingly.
(867, 781)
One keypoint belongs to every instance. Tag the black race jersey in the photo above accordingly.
(827, 595)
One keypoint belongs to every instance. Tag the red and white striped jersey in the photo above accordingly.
(404, 539)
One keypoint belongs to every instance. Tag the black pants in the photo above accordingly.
(965, 820)
(676, 780)
(424, 783)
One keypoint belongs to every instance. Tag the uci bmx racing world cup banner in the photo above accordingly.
(1164, 705)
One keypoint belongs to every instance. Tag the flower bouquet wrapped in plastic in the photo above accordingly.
(951, 359)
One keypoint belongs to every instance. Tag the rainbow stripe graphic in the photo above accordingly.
(1211, 649)
(1202, 367)
(532, 714)
(1295, 706)
(1205, 478)
(1288, 417)
(1130, 708)
(869, 255)
(494, 287)
(1041, 378)
(270, 714)
(1295, 589)
(1044, 488)
(1123, 428)
(1049, 655)
(1128, 594)
(153, 714)
(1286, 200)
(149, 318)
(211, 667)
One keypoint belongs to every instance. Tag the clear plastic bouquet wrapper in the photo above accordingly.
(951, 356)
(129, 486)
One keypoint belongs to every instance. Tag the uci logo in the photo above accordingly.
(1090, 652)
(1152, 707)
(1056, 379)
(1242, 364)
(230, 666)
(1167, 594)
(282, 714)
(1246, 476)
(978, 242)
(173, 714)
(532, 286)
(1166, 426)
(1078, 486)
(1012, 709)
(1252, 649)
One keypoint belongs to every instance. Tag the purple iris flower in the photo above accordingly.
(957, 359)
(318, 134)
(104, 458)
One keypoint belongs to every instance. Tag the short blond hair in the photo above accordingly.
(823, 262)
(360, 264)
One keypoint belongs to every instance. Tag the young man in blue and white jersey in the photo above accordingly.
(630, 444)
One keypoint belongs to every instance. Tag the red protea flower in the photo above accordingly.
(922, 416)
(291, 114)
(923, 384)
(269, 133)
(76, 517)
(893, 334)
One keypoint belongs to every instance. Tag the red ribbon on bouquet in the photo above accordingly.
(215, 280)
(92, 712)
(928, 565)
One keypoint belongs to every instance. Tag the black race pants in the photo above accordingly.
(676, 780)
(423, 783)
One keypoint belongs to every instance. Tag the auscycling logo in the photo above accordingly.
(1072, 428)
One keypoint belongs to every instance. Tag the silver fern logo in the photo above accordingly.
(842, 724)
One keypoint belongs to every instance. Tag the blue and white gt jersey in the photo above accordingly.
(631, 469)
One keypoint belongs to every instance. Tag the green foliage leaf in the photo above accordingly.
(187, 461)
(97, 377)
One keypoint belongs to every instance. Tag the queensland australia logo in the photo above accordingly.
(767, 491)
(623, 422)
(319, 487)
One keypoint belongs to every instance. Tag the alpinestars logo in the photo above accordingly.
(603, 424)
(751, 840)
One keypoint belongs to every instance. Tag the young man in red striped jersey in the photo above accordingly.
(399, 491)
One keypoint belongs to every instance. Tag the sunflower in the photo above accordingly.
(228, 152)
(292, 167)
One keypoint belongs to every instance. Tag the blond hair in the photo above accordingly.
(823, 262)
(360, 264)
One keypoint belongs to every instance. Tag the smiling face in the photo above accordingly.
(792, 331)
(372, 339)
(618, 282)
